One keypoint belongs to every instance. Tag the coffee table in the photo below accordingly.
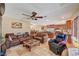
(31, 43)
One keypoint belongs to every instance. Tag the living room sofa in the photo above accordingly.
(13, 40)
(42, 37)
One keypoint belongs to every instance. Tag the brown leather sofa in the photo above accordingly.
(42, 37)
(13, 40)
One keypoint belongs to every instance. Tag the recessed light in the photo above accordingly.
(63, 17)
(47, 20)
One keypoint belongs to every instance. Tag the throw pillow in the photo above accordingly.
(10, 38)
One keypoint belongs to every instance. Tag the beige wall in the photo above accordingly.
(6, 25)
(0, 25)
(36, 27)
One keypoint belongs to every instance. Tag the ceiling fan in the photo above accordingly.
(34, 16)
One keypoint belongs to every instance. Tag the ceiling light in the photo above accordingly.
(47, 20)
(63, 17)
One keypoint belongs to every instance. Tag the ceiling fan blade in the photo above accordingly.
(35, 19)
(39, 17)
(25, 14)
(28, 18)
(44, 16)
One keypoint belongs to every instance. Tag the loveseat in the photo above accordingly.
(41, 36)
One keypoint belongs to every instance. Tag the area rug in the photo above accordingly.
(42, 50)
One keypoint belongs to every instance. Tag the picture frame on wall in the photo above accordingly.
(16, 25)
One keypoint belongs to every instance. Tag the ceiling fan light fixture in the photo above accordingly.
(63, 17)
(35, 18)
(47, 20)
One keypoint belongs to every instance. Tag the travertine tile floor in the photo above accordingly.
(42, 50)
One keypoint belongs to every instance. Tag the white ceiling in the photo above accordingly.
(53, 11)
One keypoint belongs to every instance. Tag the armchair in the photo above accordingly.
(57, 45)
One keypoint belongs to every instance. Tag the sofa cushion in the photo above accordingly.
(59, 40)
(25, 34)
(14, 37)
(61, 36)
(19, 36)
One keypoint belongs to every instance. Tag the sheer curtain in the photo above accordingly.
(76, 27)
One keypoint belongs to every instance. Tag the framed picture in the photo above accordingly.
(16, 25)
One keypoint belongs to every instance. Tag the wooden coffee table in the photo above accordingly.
(31, 43)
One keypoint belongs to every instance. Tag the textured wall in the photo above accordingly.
(6, 26)
(0, 27)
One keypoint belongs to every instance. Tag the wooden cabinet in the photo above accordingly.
(69, 24)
